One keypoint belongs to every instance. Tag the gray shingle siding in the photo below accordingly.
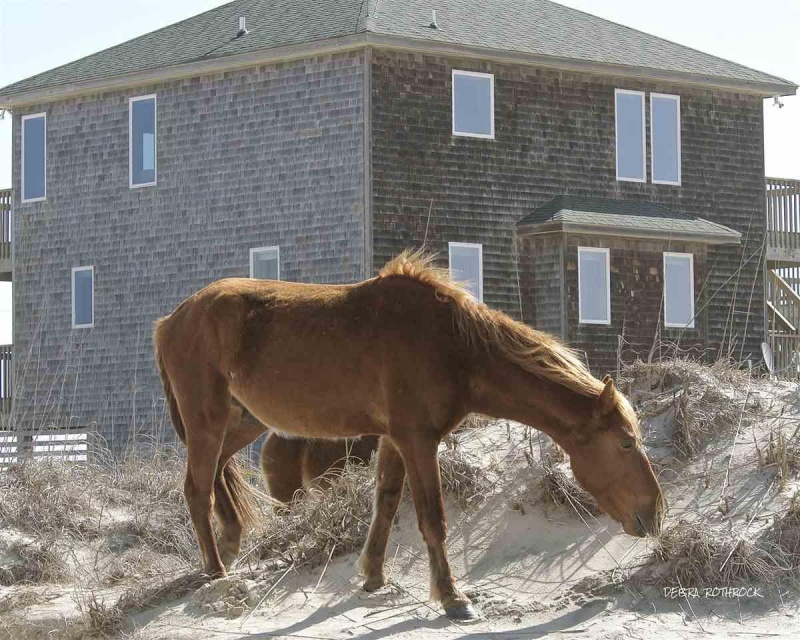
(272, 155)
(541, 261)
(637, 312)
(554, 136)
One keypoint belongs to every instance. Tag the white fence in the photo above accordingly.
(70, 446)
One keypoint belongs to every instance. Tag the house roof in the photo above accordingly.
(578, 214)
(539, 28)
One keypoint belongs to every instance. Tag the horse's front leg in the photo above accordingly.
(421, 455)
(391, 476)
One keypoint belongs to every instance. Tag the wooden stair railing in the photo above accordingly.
(784, 303)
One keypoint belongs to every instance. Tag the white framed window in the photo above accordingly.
(679, 290)
(142, 140)
(473, 104)
(594, 286)
(629, 124)
(466, 266)
(265, 263)
(34, 157)
(82, 297)
(665, 138)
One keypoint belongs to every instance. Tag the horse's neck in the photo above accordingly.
(504, 390)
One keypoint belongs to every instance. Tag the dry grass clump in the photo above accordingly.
(335, 521)
(17, 627)
(141, 564)
(97, 620)
(149, 486)
(48, 497)
(101, 620)
(463, 477)
(141, 496)
(165, 530)
(707, 399)
(156, 473)
(562, 490)
(34, 562)
(780, 455)
(322, 523)
(692, 554)
(21, 598)
(784, 535)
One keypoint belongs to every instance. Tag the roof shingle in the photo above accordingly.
(599, 215)
(537, 27)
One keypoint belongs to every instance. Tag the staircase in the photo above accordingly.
(783, 275)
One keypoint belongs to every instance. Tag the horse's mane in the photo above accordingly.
(493, 331)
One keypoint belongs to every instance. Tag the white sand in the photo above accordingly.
(532, 571)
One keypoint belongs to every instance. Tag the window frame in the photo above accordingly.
(607, 253)
(74, 271)
(32, 116)
(676, 98)
(674, 325)
(470, 245)
(644, 135)
(256, 250)
(474, 74)
(131, 100)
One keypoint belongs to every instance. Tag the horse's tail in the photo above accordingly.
(169, 397)
(241, 492)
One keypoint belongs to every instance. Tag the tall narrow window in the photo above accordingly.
(466, 267)
(629, 124)
(473, 104)
(142, 117)
(34, 157)
(82, 297)
(265, 263)
(665, 138)
(594, 286)
(679, 290)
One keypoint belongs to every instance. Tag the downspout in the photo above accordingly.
(367, 151)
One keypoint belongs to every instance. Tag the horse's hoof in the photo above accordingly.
(373, 584)
(228, 560)
(216, 573)
(463, 612)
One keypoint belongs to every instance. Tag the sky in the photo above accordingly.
(37, 35)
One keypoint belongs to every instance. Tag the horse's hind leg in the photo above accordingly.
(205, 418)
(391, 475)
(232, 503)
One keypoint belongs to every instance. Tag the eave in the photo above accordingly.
(353, 42)
(733, 238)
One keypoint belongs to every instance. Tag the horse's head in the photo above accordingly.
(608, 459)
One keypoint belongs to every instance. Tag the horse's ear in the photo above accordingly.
(608, 399)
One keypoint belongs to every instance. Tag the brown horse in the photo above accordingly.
(406, 355)
(292, 464)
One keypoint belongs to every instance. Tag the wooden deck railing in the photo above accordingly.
(785, 354)
(783, 303)
(5, 379)
(783, 215)
(70, 445)
(5, 223)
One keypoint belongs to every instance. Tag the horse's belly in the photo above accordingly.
(313, 408)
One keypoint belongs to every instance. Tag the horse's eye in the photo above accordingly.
(627, 444)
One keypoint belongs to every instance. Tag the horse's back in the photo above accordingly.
(320, 360)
